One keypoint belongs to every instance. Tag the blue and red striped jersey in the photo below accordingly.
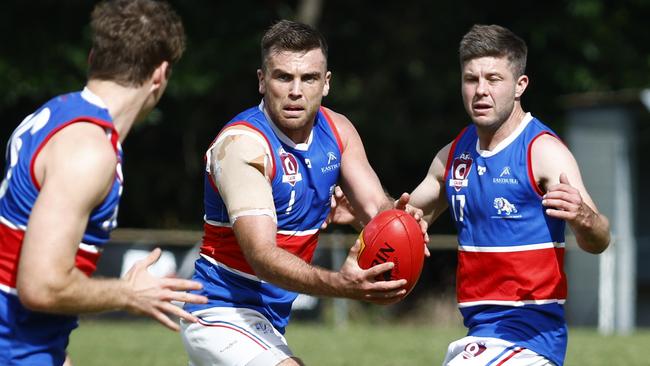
(20, 189)
(29, 337)
(302, 185)
(510, 278)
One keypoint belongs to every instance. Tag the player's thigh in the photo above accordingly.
(233, 336)
(481, 351)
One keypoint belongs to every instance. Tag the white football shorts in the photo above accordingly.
(485, 351)
(233, 337)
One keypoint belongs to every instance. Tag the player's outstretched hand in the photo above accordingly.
(564, 201)
(341, 211)
(361, 284)
(151, 296)
(402, 204)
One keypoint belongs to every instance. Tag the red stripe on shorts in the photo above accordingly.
(510, 356)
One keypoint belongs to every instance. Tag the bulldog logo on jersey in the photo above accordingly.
(460, 170)
(290, 168)
(504, 206)
(505, 209)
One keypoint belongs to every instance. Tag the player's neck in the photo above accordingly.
(489, 138)
(124, 104)
(298, 134)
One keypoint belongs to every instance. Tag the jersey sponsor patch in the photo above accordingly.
(505, 177)
(332, 163)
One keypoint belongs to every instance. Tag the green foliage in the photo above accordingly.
(43, 49)
(395, 72)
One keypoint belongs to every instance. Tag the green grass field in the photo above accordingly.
(145, 343)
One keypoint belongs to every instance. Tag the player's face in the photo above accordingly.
(490, 90)
(293, 84)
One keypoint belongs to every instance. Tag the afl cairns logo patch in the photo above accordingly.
(460, 170)
(290, 168)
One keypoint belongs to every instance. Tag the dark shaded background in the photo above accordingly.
(395, 75)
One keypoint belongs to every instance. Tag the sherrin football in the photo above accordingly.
(393, 236)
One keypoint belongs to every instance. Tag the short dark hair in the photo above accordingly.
(287, 35)
(496, 41)
(131, 38)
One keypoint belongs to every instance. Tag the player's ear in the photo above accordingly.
(520, 87)
(326, 86)
(260, 81)
(160, 76)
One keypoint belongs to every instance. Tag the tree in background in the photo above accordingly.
(395, 74)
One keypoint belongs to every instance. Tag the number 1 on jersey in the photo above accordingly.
(292, 200)
(458, 215)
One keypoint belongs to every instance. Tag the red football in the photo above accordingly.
(393, 236)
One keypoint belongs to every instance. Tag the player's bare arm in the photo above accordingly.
(256, 237)
(565, 196)
(360, 182)
(75, 170)
(429, 195)
(255, 228)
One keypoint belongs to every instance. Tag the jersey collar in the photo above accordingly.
(507, 141)
(92, 98)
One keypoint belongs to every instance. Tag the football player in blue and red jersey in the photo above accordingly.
(511, 185)
(62, 185)
(270, 175)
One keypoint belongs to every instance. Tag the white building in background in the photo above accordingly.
(609, 135)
